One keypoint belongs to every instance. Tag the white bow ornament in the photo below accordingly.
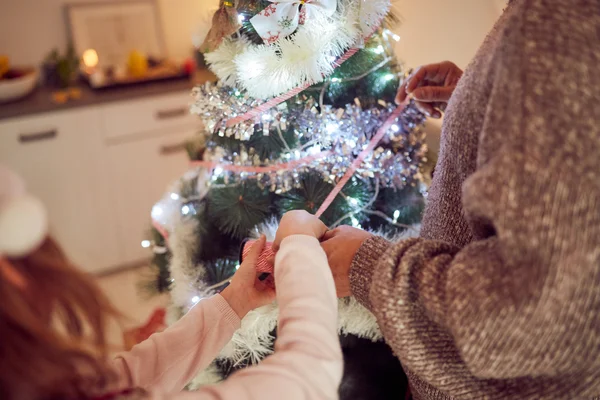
(281, 18)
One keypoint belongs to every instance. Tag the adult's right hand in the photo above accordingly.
(431, 86)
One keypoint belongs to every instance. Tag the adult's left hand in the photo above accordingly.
(341, 245)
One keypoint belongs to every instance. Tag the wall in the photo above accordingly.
(437, 30)
(29, 29)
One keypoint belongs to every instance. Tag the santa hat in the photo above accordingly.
(23, 218)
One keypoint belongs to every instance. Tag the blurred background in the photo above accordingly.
(432, 30)
(98, 143)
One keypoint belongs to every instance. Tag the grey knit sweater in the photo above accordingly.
(500, 297)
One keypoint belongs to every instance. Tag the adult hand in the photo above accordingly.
(341, 245)
(431, 86)
(246, 292)
(298, 222)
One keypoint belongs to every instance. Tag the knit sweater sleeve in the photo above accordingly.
(522, 299)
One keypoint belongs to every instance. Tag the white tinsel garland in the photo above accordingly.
(222, 60)
(183, 235)
(184, 272)
(306, 57)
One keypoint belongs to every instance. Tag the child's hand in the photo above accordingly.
(299, 222)
(246, 292)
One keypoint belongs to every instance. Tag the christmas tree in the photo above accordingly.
(305, 88)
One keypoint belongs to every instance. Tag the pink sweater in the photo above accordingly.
(307, 363)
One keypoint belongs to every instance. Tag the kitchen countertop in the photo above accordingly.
(40, 100)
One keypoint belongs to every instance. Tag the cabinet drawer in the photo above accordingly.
(156, 113)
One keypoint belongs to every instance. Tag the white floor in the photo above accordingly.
(122, 290)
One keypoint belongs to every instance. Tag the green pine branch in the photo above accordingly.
(238, 209)
(405, 206)
(219, 271)
(313, 191)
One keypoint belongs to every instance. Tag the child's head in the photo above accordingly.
(52, 316)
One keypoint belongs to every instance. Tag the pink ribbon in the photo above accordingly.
(161, 229)
(265, 260)
(361, 157)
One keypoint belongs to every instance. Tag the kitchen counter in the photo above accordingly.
(40, 100)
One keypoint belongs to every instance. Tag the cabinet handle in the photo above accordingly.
(172, 113)
(169, 149)
(38, 136)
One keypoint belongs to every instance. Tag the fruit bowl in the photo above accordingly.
(17, 83)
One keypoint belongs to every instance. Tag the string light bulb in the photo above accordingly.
(185, 210)
(241, 18)
(388, 77)
(174, 196)
(195, 299)
(157, 211)
(316, 149)
(387, 32)
(217, 172)
(353, 201)
(379, 49)
(396, 215)
(146, 244)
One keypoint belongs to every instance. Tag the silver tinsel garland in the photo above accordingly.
(344, 132)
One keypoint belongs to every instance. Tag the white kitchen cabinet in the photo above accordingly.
(60, 156)
(141, 170)
(141, 117)
(99, 169)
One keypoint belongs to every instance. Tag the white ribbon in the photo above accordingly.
(281, 18)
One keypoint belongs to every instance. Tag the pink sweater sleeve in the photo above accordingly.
(307, 363)
(167, 361)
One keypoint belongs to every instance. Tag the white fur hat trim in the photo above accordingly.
(23, 225)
